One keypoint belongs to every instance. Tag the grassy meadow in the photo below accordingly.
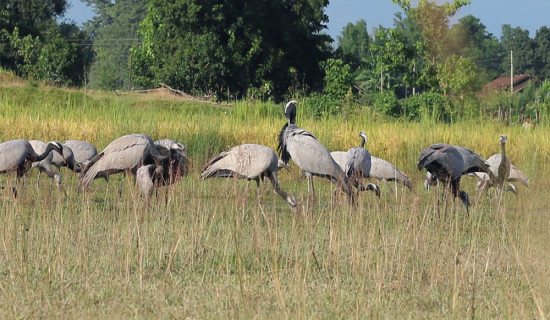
(188, 254)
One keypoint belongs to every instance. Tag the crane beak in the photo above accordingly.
(281, 165)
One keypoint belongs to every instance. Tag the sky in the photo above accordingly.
(527, 14)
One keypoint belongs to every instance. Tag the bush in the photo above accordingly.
(385, 102)
(429, 105)
(320, 106)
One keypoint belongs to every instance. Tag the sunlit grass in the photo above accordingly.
(187, 253)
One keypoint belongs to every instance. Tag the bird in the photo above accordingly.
(82, 150)
(124, 154)
(430, 181)
(251, 162)
(503, 170)
(448, 163)
(175, 164)
(16, 156)
(45, 165)
(67, 160)
(383, 170)
(170, 170)
(308, 153)
(471, 162)
(356, 164)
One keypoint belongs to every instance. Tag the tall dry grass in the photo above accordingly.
(187, 254)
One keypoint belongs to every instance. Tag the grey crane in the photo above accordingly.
(448, 163)
(343, 159)
(471, 162)
(251, 162)
(430, 181)
(308, 153)
(82, 151)
(124, 154)
(45, 165)
(356, 164)
(383, 170)
(503, 170)
(67, 160)
(16, 156)
(169, 171)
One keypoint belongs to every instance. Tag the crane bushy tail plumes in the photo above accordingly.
(213, 170)
(281, 147)
(89, 172)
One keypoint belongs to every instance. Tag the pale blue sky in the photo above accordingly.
(527, 14)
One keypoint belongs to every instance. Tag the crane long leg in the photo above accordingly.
(272, 177)
(259, 197)
(121, 184)
(244, 199)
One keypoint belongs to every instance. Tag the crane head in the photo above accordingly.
(503, 139)
(290, 111)
(363, 135)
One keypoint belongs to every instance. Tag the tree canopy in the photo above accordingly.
(219, 47)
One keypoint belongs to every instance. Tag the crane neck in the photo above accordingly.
(42, 156)
(503, 149)
(362, 142)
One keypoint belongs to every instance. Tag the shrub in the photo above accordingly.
(319, 106)
(385, 102)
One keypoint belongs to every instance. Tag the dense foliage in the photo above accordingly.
(35, 45)
(114, 31)
(223, 48)
(276, 49)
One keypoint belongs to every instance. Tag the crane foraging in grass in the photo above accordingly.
(448, 163)
(309, 154)
(356, 164)
(17, 156)
(503, 171)
(169, 171)
(251, 162)
(124, 154)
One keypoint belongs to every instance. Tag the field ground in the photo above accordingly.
(188, 254)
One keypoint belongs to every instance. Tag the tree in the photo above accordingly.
(37, 46)
(114, 29)
(338, 78)
(218, 47)
(523, 47)
(457, 77)
(355, 41)
(433, 21)
(469, 38)
(542, 53)
(54, 60)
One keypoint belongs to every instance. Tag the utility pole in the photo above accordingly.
(511, 72)
(381, 80)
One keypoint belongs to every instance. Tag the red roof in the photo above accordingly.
(502, 83)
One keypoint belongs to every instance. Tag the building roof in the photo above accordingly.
(502, 83)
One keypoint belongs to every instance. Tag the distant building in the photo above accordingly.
(502, 83)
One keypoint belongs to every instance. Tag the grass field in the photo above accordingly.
(187, 254)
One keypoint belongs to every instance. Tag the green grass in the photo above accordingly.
(187, 254)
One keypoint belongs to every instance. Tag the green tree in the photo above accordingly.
(395, 60)
(457, 76)
(37, 46)
(542, 53)
(338, 78)
(114, 29)
(432, 20)
(54, 60)
(30, 16)
(217, 47)
(470, 38)
(354, 41)
(517, 40)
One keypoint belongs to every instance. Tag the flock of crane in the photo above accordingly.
(159, 163)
